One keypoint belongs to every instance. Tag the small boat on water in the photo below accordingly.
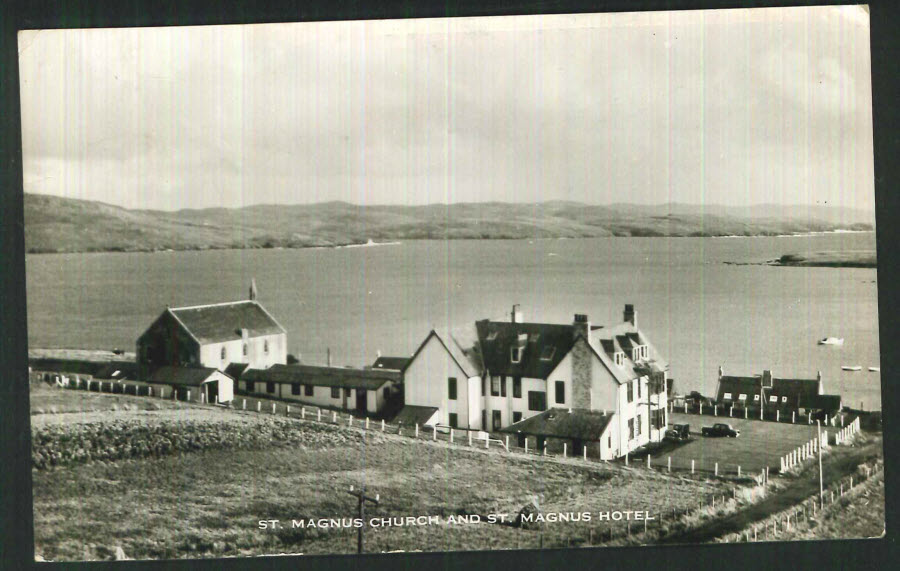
(831, 341)
(874, 369)
(851, 368)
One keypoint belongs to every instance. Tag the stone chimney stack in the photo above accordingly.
(630, 314)
(767, 379)
(515, 316)
(581, 326)
(721, 372)
(328, 357)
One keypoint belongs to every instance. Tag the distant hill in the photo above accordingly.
(55, 224)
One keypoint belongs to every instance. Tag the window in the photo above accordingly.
(630, 392)
(245, 349)
(560, 392)
(249, 386)
(483, 382)
(783, 399)
(517, 416)
(548, 352)
(295, 388)
(222, 352)
(451, 388)
(308, 390)
(742, 396)
(495, 420)
(515, 354)
(517, 387)
(756, 398)
(537, 400)
(637, 383)
(631, 429)
(347, 392)
(727, 396)
(270, 387)
(266, 346)
(453, 420)
(335, 392)
(637, 426)
(484, 419)
(502, 386)
(773, 398)
(619, 357)
(495, 386)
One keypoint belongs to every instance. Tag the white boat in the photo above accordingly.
(875, 369)
(851, 367)
(831, 341)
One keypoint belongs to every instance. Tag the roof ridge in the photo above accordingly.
(215, 304)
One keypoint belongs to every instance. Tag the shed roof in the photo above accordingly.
(223, 321)
(395, 363)
(576, 423)
(322, 376)
(413, 414)
(189, 376)
(235, 370)
(799, 392)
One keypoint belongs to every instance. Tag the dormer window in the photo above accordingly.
(515, 354)
(223, 353)
(619, 358)
(548, 352)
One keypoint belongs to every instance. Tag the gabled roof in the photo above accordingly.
(576, 423)
(737, 386)
(235, 370)
(321, 376)
(413, 414)
(624, 337)
(395, 363)
(498, 338)
(468, 360)
(189, 376)
(223, 321)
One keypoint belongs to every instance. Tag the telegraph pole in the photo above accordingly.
(362, 498)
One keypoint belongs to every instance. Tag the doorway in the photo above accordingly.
(361, 400)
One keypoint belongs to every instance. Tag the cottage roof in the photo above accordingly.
(544, 346)
(395, 363)
(188, 376)
(223, 321)
(624, 337)
(322, 376)
(576, 423)
(800, 393)
(414, 414)
(469, 360)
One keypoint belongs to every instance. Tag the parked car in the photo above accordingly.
(679, 433)
(720, 429)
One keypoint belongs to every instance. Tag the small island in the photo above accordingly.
(829, 259)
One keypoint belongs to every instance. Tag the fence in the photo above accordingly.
(803, 452)
(748, 412)
(798, 516)
(845, 434)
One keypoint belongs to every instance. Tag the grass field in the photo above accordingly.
(208, 503)
(760, 444)
(47, 399)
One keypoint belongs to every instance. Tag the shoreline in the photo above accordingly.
(400, 242)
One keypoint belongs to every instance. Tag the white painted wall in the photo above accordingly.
(425, 383)
(256, 357)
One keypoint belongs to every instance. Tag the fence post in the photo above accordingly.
(258, 406)
(216, 399)
(778, 415)
(189, 392)
(701, 408)
(745, 412)
(417, 430)
(626, 458)
(808, 418)
(451, 436)
(565, 446)
(288, 411)
(545, 448)
(349, 420)
(739, 471)
(273, 408)
(692, 466)
(319, 414)
(487, 441)
(382, 425)
(648, 462)
(367, 423)
(303, 412)
(507, 442)
(717, 469)
(716, 410)
(685, 407)
(434, 432)
(470, 439)
(526, 445)
(584, 453)
(669, 463)
(334, 416)
(793, 416)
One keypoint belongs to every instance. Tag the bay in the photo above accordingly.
(695, 303)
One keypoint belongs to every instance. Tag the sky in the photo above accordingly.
(733, 107)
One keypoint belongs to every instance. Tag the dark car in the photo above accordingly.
(720, 429)
(679, 433)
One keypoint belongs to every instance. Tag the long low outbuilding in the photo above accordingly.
(213, 384)
(366, 391)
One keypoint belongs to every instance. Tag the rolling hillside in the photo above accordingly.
(55, 224)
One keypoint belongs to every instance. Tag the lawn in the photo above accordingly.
(208, 502)
(760, 444)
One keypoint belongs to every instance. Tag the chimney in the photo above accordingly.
(767, 379)
(378, 354)
(244, 334)
(328, 357)
(252, 289)
(721, 372)
(515, 316)
(581, 326)
(630, 315)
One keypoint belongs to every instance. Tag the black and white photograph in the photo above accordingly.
(452, 284)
